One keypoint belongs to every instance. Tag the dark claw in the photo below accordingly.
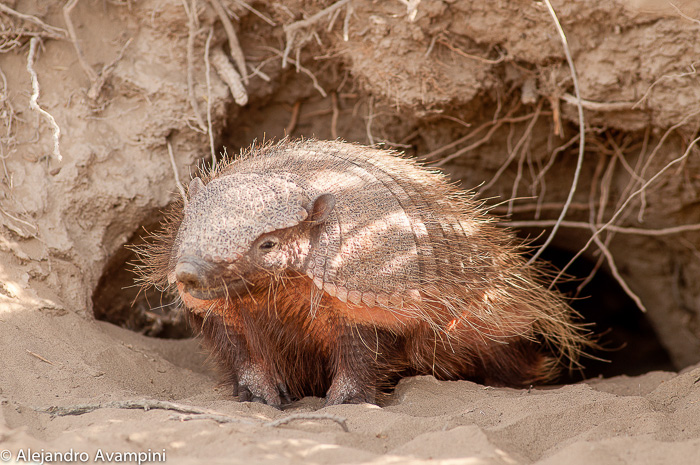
(244, 394)
(284, 393)
(347, 390)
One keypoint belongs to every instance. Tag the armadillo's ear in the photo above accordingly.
(323, 206)
(196, 185)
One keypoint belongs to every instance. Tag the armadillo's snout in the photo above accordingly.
(203, 280)
(190, 274)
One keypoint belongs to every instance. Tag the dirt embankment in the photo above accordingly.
(480, 89)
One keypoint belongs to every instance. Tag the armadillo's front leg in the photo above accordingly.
(359, 364)
(252, 378)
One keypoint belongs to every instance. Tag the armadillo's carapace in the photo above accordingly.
(332, 269)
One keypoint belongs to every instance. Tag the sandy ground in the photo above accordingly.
(51, 359)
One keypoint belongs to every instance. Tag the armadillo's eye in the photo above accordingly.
(268, 245)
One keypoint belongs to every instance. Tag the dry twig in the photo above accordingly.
(34, 104)
(217, 417)
(310, 416)
(39, 357)
(191, 412)
(141, 404)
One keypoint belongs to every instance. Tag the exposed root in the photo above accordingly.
(411, 8)
(346, 22)
(67, 9)
(9, 116)
(230, 76)
(34, 104)
(207, 68)
(514, 153)
(370, 117)
(599, 106)
(693, 71)
(488, 61)
(647, 163)
(616, 274)
(624, 205)
(192, 25)
(334, 118)
(52, 32)
(256, 13)
(176, 175)
(291, 30)
(304, 70)
(293, 119)
(683, 15)
(660, 232)
(234, 45)
(495, 125)
(582, 133)
(97, 84)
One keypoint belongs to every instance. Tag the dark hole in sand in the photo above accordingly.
(118, 299)
(630, 344)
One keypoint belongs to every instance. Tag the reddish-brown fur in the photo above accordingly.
(304, 352)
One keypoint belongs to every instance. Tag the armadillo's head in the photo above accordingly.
(241, 230)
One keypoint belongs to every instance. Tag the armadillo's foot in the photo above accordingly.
(255, 384)
(348, 390)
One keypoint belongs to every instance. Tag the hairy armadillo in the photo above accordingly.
(327, 268)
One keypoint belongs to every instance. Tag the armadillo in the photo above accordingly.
(332, 269)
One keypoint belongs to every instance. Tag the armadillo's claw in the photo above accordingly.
(255, 384)
(348, 390)
(284, 393)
